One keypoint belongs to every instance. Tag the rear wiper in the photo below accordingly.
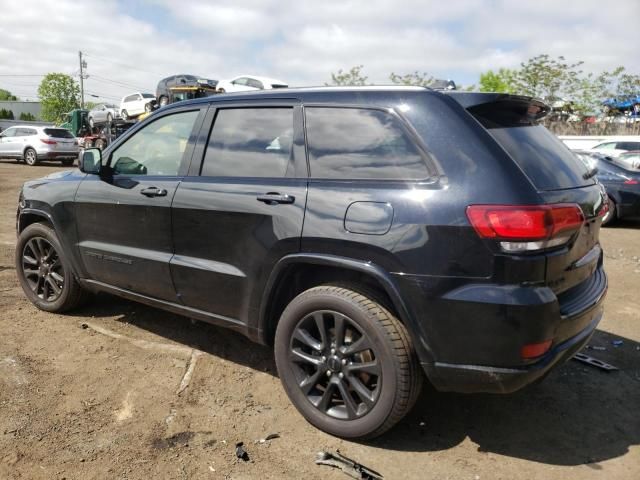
(590, 174)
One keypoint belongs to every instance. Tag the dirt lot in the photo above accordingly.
(104, 401)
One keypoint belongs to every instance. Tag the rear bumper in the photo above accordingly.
(58, 155)
(483, 379)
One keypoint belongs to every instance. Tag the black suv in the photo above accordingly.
(371, 235)
(163, 90)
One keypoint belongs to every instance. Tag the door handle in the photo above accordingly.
(274, 198)
(154, 192)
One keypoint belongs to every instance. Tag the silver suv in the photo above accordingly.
(35, 143)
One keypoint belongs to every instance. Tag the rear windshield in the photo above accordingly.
(58, 132)
(547, 162)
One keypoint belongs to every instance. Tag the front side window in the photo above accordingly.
(628, 145)
(156, 149)
(606, 146)
(250, 142)
(357, 143)
(240, 81)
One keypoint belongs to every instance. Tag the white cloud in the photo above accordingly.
(132, 45)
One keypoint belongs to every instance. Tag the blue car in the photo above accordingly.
(622, 185)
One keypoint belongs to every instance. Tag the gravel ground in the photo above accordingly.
(101, 393)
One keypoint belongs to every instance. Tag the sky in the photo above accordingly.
(130, 45)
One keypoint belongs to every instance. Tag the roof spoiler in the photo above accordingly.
(500, 110)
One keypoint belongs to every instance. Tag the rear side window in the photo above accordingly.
(58, 132)
(9, 132)
(357, 143)
(548, 163)
(250, 142)
(628, 145)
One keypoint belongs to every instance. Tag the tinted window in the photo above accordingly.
(548, 163)
(360, 144)
(148, 95)
(251, 82)
(628, 145)
(131, 98)
(250, 142)
(156, 149)
(606, 146)
(58, 132)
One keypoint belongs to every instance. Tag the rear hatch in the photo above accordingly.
(560, 179)
(64, 140)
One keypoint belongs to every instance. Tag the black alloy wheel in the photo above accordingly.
(346, 362)
(335, 365)
(42, 269)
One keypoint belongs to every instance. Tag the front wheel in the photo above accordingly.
(346, 363)
(91, 123)
(163, 101)
(124, 115)
(30, 157)
(43, 270)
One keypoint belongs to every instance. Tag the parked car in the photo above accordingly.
(136, 104)
(163, 90)
(246, 83)
(103, 113)
(614, 148)
(622, 185)
(371, 235)
(34, 143)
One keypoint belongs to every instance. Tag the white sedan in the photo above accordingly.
(245, 83)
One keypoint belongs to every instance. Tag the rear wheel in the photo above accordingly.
(163, 101)
(147, 107)
(91, 124)
(43, 270)
(221, 90)
(30, 157)
(109, 118)
(100, 143)
(124, 115)
(346, 362)
(611, 214)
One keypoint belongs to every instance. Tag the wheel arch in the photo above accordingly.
(29, 216)
(287, 280)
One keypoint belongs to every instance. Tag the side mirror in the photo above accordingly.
(91, 161)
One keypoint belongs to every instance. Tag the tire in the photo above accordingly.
(221, 90)
(30, 157)
(124, 115)
(91, 123)
(38, 247)
(372, 388)
(109, 118)
(163, 101)
(67, 162)
(100, 143)
(147, 107)
(88, 143)
(611, 216)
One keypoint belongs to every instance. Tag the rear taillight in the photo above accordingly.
(521, 228)
(631, 181)
(47, 141)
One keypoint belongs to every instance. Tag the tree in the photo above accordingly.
(5, 95)
(547, 78)
(352, 77)
(59, 94)
(6, 114)
(502, 81)
(26, 116)
(416, 78)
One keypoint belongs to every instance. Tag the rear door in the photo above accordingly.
(124, 221)
(241, 208)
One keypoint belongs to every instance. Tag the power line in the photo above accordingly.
(119, 83)
(120, 64)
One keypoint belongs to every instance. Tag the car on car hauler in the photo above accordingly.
(363, 232)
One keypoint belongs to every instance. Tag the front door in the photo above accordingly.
(8, 145)
(241, 210)
(124, 222)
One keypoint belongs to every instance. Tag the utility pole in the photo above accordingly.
(83, 65)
